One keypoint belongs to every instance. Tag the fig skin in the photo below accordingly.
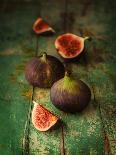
(70, 46)
(70, 95)
(42, 119)
(43, 71)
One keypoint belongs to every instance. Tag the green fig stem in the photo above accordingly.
(51, 29)
(35, 103)
(86, 38)
(67, 73)
(44, 57)
(67, 76)
(68, 82)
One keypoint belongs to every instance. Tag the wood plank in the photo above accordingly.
(16, 48)
(87, 126)
(98, 59)
(104, 73)
(49, 142)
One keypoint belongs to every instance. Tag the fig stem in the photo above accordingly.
(67, 73)
(35, 103)
(44, 56)
(51, 29)
(86, 38)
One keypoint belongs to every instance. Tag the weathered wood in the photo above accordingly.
(93, 130)
(17, 46)
(89, 129)
(72, 129)
(49, 142)
(99, 59)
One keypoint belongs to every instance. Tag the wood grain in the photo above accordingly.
(91, 132)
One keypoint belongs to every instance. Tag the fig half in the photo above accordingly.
(70, 95)
(43, 119)
(70, 45)
(44, 70)
(40, 26)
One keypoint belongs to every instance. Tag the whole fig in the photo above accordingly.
(70, 95)
(44, 70)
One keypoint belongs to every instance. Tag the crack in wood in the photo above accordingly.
(106, 139)
(66, 16)
(86, 6)
(25, 144)
(62, 141)
(37, 47)
(27, 125)
(96, 104)
(26, 140)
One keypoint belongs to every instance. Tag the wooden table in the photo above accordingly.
(92, 132)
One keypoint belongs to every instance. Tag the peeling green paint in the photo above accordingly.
(83, 133)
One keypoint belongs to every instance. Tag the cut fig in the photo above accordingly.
(40, 26)
(69, 45)
(43, 119)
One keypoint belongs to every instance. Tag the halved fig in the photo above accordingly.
(70, 45)
(43, 119)
(40, 26)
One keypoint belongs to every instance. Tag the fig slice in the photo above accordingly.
(43, 119)
(40, 26)
(69, 45)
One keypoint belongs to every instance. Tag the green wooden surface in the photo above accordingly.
(92, 132)
(17, 45)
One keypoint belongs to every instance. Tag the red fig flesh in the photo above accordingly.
(40, 26)
(43, 119)
(69, 45)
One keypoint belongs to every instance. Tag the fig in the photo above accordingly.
(43, 71)
(40, 26)
(70, 95)
(43, 119)
(70, 45)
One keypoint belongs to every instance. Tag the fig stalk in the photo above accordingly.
(86, 38)
(67, 73)
(44, 57)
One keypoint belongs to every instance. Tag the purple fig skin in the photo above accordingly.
(70, 102)
(43, 74)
